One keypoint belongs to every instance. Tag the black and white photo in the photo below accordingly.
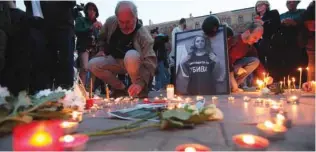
(201, 63)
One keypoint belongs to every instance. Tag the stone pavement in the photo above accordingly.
(217, 135)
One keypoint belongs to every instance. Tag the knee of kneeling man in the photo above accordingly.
(91, 65)
(132, 55)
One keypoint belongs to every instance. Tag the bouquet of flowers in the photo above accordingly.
(45, 105)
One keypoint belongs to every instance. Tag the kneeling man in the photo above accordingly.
(129, 49)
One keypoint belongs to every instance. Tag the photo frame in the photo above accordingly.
(201, 63)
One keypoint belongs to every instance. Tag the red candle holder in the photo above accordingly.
(38, 136)
(89, 103)
(192, 148)
(248, 142)
(74, 142)
(156, 101)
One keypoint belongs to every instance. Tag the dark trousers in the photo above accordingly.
(52, 58)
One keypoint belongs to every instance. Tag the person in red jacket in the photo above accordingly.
(243, 58)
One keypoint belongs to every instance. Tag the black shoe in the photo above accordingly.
(118, 93)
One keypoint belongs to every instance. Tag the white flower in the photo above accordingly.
(4, 92)
(43, 93)
(73, 98)
(265, 91)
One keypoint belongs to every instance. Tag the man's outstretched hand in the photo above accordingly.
(134, 90)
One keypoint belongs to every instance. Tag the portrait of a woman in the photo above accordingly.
(197, 68)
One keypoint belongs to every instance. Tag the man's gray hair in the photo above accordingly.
(132, 6)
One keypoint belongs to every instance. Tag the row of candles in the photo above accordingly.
(42, 139)
(274, 128)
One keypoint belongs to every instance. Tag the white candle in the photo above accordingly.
(300, 84)
(170, 91)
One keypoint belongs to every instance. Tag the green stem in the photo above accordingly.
(128, 125)
(94, 134)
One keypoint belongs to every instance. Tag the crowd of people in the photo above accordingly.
(37, 47)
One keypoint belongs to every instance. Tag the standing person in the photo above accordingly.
(87, 30)
(162, 73)
(243, 58)
(15, 74)
(129, 49)
(180, 28)
(52, 29)
(309, 21)
(269, 48)
(292, 29)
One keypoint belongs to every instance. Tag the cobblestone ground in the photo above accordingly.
(239, 117)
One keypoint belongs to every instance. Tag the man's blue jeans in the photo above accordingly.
(162, 77)
(249, 64)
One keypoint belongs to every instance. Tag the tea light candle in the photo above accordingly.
(38, 136)
(76, 116)
(275, 108)
(231, 98)
(271, 131)
(259, 100)
(248, 142)
(246, 99)
(214, 98)
(69, 127)
(156, 98)
(170, 91)
(192, 148)
(74, 142)
(293, 99)
(282, 119)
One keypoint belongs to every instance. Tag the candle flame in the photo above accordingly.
(268, 124)
(67, 124)
(41, 139)
(248, 139)
(68, 138)
(299, 69)
(307, 68)
(280, 117)
(189, 149)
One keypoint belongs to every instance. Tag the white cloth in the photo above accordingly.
(37, 10)
(174, 31)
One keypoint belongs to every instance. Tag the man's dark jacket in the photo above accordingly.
(57, 14)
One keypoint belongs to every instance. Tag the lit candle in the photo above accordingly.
(199, 98)
(231, 98)
(38, 136)
(293, 99)
(246, 99)
(260, 84)
(214, 98)
(156, 98)
(179, 105)
(107, 92)
(192, 148)
(248, 142)
(271, 131)
(293, 80)
(300, 84)
(170, 91)
(74, 142)
(281, 83)
(69, 127)
(76, 116)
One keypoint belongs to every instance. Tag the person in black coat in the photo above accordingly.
(16, 71)
(269, 46)
(52, 33)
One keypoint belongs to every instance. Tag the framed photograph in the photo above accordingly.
(201, 63)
